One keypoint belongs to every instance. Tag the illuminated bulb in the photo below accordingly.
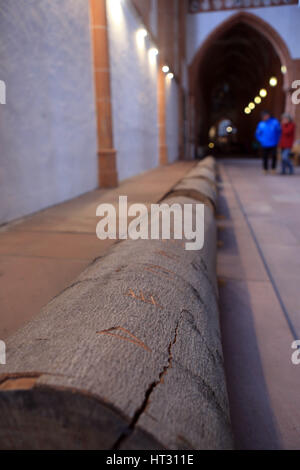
(229, 129)
(263, 93)
(283, 69)
(165, 69)
(257, 99)
(142, 33)
(170, 75)
(211, 145)
(251, 105)
(273, 81)
(153, 52)
(247, 110)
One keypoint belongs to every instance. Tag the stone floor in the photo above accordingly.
(259, 274)
(42, 254)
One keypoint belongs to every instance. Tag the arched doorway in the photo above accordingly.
(232, 65)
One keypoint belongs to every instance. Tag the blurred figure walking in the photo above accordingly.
(286, 143)
(268, 134)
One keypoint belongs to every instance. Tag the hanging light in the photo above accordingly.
(142, 33)
(211, 145)
(273, 81)
(153, 52)
(247, 110)
(263, 93)
(257, 99)
(170, 76)
(283, 69)
(251, 105)
(165, 68)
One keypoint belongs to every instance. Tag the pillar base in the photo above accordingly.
(108, 176)
(163, 155)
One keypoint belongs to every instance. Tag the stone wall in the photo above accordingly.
(47, 126)
(134, 92)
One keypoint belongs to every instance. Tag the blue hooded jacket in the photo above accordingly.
(268, 132)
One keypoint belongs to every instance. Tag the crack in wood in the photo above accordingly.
(127, 433)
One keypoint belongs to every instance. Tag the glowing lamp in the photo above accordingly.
(273, 81)
(142, 33)
(263, 93)
(283, 69)
(153, 52)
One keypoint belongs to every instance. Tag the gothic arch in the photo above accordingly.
(261, 26)
(262, 29)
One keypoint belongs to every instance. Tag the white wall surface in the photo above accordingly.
(134, 93)
(284, 19)
(172, 119)
(153, 18)
(48, 148)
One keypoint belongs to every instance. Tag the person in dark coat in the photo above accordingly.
(286, 143)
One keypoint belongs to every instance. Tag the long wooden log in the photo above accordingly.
(128, 357)
(196, 188)
(208, 162)
(202, 172)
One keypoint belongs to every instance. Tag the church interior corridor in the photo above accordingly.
(149, 228)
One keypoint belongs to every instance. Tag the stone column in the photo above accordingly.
(191, 120)
(182, 14)
(106, 152)
(181, 123)
(161, 93)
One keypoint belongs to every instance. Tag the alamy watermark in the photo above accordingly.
(295, 358)
(2, 353)
(162, 222)
(2, 92)
(296, 93)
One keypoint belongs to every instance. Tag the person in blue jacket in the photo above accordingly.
(268, 133)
